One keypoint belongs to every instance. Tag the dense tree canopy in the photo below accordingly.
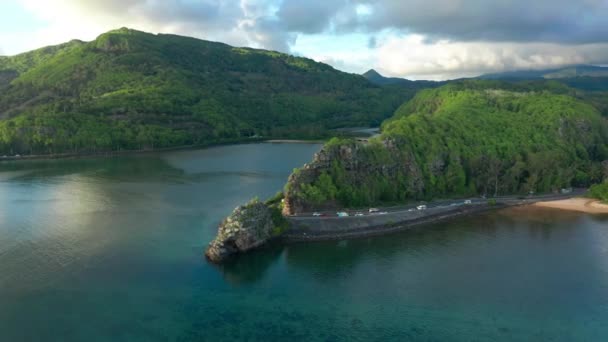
(131, 90)
(464, 139)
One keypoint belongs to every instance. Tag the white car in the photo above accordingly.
(359, 214)
(383, 213)
(342, 214)
(373, 210)
(468, 202)
(421, 207)
(316, 214)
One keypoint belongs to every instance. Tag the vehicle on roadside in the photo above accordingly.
(342, 214)
(317, 214)
(373, 210)
(383, 213)
(468, 202)
(421, 207)
(359, 214)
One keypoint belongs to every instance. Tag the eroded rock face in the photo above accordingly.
(357, 167)
(248, 227)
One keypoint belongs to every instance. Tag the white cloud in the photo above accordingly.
(413, 56)
(407, 38)
(248, 22)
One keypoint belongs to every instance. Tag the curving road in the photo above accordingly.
(440, 204)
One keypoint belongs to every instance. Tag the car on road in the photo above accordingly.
(317, 214)
(383, 213)
(421, 207)
(342, 214)
(373, 210)
(359, 214)
(468, 202)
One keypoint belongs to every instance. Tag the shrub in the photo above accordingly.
(599, 191)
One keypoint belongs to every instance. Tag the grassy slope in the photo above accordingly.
(131, 90)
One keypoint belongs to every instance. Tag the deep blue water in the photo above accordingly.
(112, 250)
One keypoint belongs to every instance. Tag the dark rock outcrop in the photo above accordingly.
(249, 226)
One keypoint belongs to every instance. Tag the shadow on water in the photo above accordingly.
(260, 161)
(251, 268)
(131, 168)
(330, 260)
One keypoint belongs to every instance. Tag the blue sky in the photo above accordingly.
(417, 39)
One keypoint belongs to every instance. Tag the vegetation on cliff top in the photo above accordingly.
(463, 139)
(134, 90)
(600, 191)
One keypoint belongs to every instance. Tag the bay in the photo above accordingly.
(111, 249)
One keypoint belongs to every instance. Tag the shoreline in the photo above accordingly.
(578, 204)
(293, 141)
(109, 154)
(339, 229)
(388, 228)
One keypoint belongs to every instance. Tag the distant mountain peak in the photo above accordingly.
(372, 73)
(376, 78)
(124, 30)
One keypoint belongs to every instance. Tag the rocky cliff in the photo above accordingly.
(249, 226)
(354, 163)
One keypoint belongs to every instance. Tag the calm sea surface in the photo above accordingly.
(112, 250)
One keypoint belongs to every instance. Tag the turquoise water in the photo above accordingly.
(111, 250)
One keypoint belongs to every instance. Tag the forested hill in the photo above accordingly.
(134, 90)
(463, 139)
(559, 73)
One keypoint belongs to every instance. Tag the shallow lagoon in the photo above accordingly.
(111, 249)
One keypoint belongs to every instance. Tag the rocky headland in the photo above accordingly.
(249, 226)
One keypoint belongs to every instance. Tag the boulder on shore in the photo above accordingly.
(248, 227)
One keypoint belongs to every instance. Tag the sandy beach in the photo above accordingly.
(585, 205)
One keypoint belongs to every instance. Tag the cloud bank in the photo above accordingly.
(410, 38)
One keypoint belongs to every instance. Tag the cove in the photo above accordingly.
(102, 249)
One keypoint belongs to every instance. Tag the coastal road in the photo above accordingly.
(440, 204)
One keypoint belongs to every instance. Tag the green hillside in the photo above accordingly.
(466, 138)
(134, 90)
(558, 73)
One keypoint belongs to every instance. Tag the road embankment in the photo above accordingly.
(337, 228)
(319, 229)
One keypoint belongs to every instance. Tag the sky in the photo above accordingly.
(415, 39)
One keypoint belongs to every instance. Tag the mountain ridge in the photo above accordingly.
(376, 78)
(132, 90)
